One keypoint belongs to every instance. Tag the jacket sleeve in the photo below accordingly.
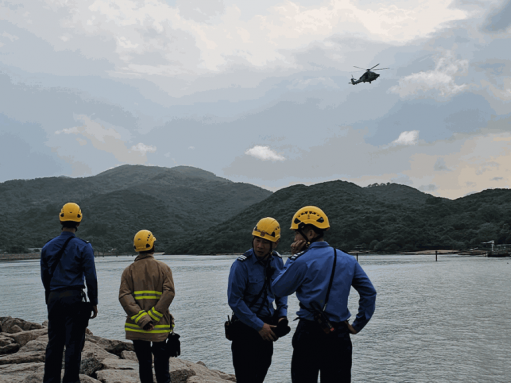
(280, 301)
(45, 273)
(128, 302)
(235, 290)
(90, 274)
(287, 281)
(166, 298)
(367, 301)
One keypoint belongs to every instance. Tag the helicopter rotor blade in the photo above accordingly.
(358, 67)
(374, 66)
(382, 68)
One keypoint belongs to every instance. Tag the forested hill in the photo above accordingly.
(172, 202)
(385, 217)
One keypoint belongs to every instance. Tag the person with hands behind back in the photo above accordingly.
(256, 324)
(146, 292)
(322, 277)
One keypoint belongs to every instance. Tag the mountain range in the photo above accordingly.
(192, 211)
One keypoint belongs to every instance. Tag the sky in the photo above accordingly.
(260, 92)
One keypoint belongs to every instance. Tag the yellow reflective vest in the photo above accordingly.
(146, 292)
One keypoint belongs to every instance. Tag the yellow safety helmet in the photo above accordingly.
(71, 212)
(310, 215)
(267, 228)
(143, 241)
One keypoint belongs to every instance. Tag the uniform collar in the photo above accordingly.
(143, 256)
(255, 259)
(319, 244)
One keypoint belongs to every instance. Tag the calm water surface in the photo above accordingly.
(445, 321)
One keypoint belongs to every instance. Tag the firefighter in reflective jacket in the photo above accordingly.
(251, 299)
(321, 343)
(146, 292)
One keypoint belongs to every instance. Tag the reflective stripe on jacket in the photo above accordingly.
(146, 292)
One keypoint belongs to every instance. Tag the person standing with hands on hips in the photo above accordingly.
(256, 324)
(322, 277)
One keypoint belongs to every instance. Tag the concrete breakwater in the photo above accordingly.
(22, 353)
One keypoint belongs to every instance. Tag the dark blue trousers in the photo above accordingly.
(66, 327)
(144, 352)
(315, 352)
(251, 356)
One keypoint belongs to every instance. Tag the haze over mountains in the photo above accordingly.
(192, 211)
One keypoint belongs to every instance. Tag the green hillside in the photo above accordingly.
(382, 217)
(171, 202)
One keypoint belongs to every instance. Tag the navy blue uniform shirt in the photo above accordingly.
(246, 280)
(308, 274)
(76, 265)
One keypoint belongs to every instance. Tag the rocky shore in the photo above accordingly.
(22, 352)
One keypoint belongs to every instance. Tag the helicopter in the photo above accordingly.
(368, 76)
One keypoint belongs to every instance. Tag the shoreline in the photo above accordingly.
(31, 256)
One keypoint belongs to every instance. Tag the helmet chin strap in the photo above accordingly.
(307, 241)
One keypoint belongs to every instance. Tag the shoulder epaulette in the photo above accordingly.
(244, 257)
(276, 253)
(83, 240)
(297, 255)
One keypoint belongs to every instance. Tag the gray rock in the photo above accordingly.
(118, 376)
(34, 345)
(129, 355)
(89, 366)
(16, 373)
(23, 357)
(11, 325)
(92, 358)
(8, 345)
(113, 346)
(22, 338)
(119, 364)
(38, 378)
(181, 375)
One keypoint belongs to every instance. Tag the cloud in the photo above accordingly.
(437, 82)
(143, 149)
(407, 138)
(108, 139)
(264, 153)
(499, 19)
(440, 165)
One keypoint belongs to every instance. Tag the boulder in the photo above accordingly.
(22, 338)
(92, 358)
(23, 357)
(129, 355)
(34, 345)
(201, 371)
(11, 325)
(119, 364)
(118, 376)
(113, 346)
(8, 345)
(16, 373)
(38, 378)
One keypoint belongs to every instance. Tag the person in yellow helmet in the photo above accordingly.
(146, 292)
(67, 262)
(322, 277)
(256, 324)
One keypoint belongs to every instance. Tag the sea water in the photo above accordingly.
(445, 321)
